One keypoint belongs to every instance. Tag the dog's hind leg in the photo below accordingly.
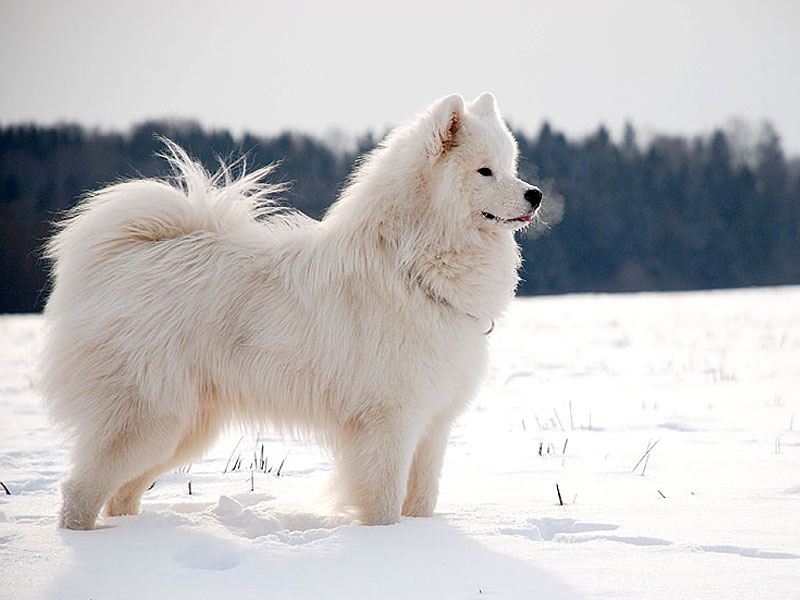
(127, 499)
(102, 462)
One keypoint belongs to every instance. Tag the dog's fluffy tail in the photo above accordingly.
(109, 221)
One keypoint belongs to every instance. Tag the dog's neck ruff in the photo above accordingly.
(441, 300)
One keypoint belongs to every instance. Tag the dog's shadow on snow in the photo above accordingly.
(428, 558)
(165, 555)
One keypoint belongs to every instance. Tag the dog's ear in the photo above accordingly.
(485, 104)
(447, 116)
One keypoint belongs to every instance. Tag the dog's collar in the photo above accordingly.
(439, 299)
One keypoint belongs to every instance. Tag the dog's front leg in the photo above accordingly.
(423, 480)
(374, 456)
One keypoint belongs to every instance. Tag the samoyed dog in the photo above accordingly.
(181, 306)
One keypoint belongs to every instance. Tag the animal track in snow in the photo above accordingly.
(748, 552)
(555, 529)
(569, 531)
(212, 555)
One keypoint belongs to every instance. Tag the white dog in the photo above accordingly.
(178, 308)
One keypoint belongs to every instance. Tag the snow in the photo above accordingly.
(580, 387)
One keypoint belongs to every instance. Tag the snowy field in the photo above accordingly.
(580, 388)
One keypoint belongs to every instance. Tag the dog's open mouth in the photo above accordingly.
(522, 219)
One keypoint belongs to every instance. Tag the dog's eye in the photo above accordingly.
(485, 171)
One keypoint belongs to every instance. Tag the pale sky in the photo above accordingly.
(668, 66)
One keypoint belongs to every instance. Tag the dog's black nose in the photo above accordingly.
(534, 196)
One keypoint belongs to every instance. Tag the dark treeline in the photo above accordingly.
(673, 214)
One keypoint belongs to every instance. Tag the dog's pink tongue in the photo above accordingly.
(525, 219)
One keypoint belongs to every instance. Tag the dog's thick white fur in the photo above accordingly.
(179, 307)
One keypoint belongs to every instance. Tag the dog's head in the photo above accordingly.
(473, 165)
